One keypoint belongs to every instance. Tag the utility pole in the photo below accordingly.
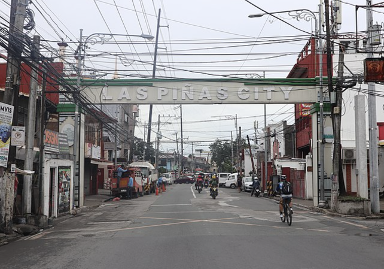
(238, 153)
(144, 143)
(11, 95)
(265, 147)
(182, 139)
(28, 164)
(178, 157)
(321, 111)
(158, 143)
(231, 153)
(76, 137)
(153, 76)
(41, 140)
(192, 163)
(373, 151)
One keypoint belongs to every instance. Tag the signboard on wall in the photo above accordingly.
(6, 116)
(18, 136)
(51, 141)
(374, 70)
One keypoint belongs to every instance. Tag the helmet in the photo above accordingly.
(214, 177)
(283, 177)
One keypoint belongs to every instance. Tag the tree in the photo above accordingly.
(138, 149)
(221, 155)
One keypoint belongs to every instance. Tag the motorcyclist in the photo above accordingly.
(255, 185)
(199, 181)
(213, 183)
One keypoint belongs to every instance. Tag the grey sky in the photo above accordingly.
(219, 26)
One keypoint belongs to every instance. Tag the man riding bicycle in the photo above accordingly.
(285, 190)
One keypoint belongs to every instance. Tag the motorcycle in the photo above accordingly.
(256, 192)
(206, 184)
(199, 187)
(214, 192)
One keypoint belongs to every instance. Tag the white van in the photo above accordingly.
(222, 177)
(231, 181)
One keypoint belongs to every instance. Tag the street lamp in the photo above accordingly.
(307, 15)
(95, 38)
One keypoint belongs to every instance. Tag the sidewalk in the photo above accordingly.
(92, 201)
(309, 205)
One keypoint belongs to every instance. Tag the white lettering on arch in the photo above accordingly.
(222, 93)
(187, 91)
(124, 94)
(142, 93)
(205, 94)
(161, 92)
(243, 93)
(286, 91)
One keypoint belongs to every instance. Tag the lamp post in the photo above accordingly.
(95, 38)
(307, 15)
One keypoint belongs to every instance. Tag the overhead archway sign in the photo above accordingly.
(200, 91)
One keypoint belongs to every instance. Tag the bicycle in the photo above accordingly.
(287, 215)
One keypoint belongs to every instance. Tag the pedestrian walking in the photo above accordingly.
(239, 181)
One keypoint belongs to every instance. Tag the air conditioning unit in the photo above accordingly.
(349, 155)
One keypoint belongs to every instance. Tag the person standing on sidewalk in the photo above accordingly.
(239, 181)
(120, 170)
(130, 186)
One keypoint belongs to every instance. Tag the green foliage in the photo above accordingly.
(221, 155)
(138, 149)
(162, 170)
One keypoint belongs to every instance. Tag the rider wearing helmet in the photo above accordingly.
(283, 196)
(213, 182)
(199, 180)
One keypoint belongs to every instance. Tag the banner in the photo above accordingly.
(6, 116)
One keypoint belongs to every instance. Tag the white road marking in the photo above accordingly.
(193, 192)
(347, 222)
(170, 205)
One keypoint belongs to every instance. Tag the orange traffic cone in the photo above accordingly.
(163, 187)
(157, 191)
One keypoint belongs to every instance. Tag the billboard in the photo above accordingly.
(6, 117)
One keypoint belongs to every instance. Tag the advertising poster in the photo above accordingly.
(64, 189)
(6, 116)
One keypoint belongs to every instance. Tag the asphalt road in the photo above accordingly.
(184, 229)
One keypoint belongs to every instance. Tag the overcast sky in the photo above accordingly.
(188, 29)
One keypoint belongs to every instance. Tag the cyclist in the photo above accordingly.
(284, 194)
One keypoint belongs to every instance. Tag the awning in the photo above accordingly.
(101, 162)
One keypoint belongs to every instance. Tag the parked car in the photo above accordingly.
(222, 178)
(184, 179)
(247, 184)
(168, 178)
(231, 181)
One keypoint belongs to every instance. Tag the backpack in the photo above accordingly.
(287, 188)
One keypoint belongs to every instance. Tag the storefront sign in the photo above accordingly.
(63, 144)
(18, 136)
(51, 141)
(6, 116)
(96, 152)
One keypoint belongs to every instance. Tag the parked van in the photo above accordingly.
(231, 181)
(222, 178)
(168, 178)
